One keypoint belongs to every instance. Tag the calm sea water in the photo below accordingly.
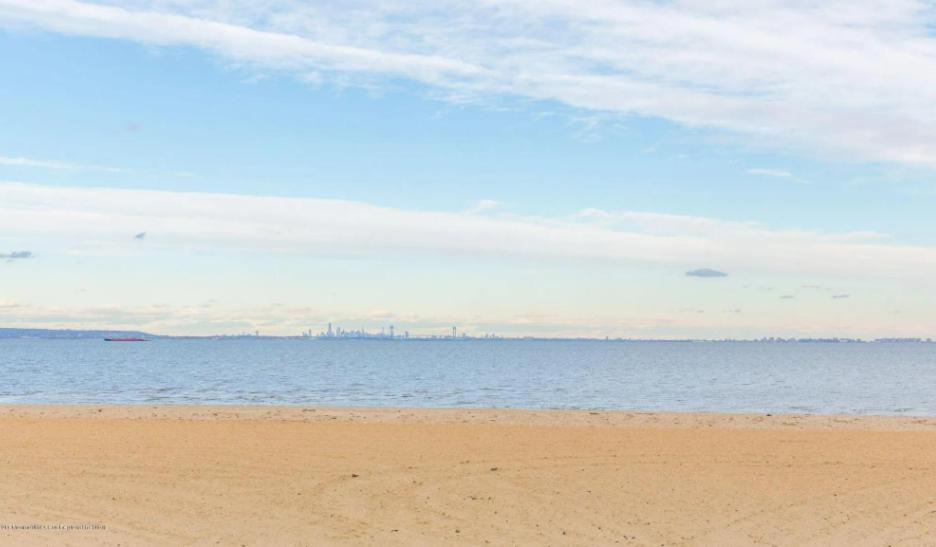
(729, 377)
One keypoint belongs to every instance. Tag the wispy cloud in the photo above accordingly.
(219, 222)
(786, 73)
(56, 165)
(485, 205)
(777, 174)
(283, 50)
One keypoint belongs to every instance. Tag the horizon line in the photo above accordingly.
(462, 337)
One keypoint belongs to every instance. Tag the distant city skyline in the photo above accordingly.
(619, 169)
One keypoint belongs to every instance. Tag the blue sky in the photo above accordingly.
(523, 168)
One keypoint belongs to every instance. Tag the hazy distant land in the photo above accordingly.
(78, 334)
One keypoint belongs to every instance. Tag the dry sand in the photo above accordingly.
(317, 476)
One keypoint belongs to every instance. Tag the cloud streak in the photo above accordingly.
(274, 49)
(789, 74)
(302, 226)
(776, 174)
(56, 165)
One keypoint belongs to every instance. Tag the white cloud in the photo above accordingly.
(775, 173)
(56, 165)
(485, 206)
(105, 218)
(855, 78)
(270, 48)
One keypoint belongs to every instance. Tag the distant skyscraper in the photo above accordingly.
(454, 332)
(329, 330)
(391, 331)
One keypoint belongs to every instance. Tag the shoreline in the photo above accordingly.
(474, 415)
(260, 475)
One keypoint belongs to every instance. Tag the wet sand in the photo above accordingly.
(319, 476)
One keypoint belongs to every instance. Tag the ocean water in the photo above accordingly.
(882, 378)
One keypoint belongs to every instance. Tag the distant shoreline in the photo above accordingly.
(69, 334)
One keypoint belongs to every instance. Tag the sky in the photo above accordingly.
(640, 169)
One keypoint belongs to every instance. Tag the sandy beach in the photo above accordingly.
(121, 475)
